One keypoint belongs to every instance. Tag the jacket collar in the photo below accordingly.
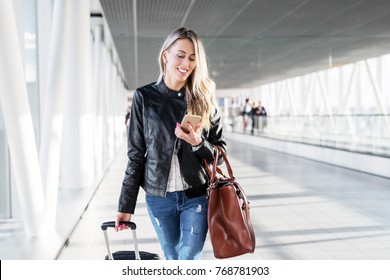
(172, 93)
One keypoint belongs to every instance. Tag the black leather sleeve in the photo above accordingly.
(136, 153)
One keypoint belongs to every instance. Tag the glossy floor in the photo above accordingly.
(300, 209)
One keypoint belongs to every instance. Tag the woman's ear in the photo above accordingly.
(164, 56)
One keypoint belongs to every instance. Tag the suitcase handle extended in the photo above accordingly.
(133, 228)
(106, 225)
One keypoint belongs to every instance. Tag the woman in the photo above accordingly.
(166, 161)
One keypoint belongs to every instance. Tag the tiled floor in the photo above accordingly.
(300, 209)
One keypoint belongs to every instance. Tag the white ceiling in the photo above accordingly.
(250, 42)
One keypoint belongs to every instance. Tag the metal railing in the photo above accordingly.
(368, 134)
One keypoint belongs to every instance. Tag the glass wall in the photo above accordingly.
(344, 107)
(5, 209)
(26, 16)
(104, 122)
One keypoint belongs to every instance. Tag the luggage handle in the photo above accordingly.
(111, 224)
(133, 228)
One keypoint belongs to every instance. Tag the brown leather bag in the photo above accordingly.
(230, 229)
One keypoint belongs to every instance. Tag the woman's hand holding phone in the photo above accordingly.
(188, 130)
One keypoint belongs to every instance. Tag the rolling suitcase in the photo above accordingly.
(126, 255)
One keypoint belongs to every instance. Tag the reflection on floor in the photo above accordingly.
(300, 209)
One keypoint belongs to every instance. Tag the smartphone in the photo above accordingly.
(194, 120)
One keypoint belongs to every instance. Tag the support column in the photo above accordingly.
(98, 92)
(345, 102)
(77, 165)
(44, 26)
(18, 123)
(52, 116)
(110, 107)
(290, 97)
(106, 112)
(376, 89)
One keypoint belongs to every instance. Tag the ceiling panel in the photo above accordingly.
(250, 42)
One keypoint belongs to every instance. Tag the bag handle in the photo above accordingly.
(231, 177)
(215, 169)
(227, 163)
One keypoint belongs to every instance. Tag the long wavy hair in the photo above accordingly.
(200, 88)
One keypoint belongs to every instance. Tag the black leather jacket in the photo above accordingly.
(154, 113)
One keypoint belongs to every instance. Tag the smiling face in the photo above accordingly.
(180, 61)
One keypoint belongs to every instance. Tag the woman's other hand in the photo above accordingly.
(121, 217)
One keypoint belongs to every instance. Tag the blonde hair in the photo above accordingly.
(200, 88)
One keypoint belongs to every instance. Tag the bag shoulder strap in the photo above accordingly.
(215, 169)
(226, 160)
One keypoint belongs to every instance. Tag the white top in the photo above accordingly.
(175, 183)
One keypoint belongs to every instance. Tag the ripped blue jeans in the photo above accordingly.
(180, 224)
